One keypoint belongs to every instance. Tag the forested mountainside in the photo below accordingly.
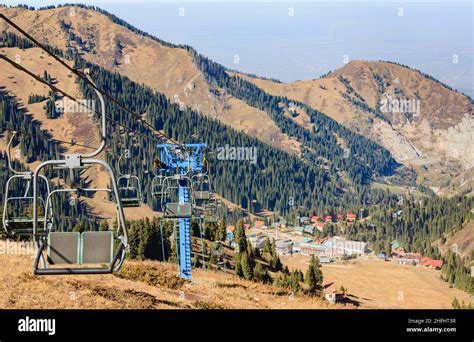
(358, 156)
(284, 173)
(271, 181)
(350, 95)
(425, 124)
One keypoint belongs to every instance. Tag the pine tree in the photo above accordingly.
(267, 249)
(295, 281)
(240, 238)
(314, 275)
(260, 274)
(246, 266)
(238, 265)
(455, 304)
(276, 263)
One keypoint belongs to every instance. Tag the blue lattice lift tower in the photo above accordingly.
(177, 165)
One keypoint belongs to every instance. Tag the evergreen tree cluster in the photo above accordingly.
(416, 223)
(456, 271)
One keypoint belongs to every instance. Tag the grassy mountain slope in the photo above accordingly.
(167, 69)
(70, 126)
(437, 142)
(331, 170)
(141, 285)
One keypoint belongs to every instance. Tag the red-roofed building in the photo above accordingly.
(314, 219)
(230, 228)
(331, 292)
(319, 226)
(339, 217)
(259, 224)
(246, 226)
(328, 218)
(428, 262)
(351, 217)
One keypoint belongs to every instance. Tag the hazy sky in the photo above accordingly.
(302, 40)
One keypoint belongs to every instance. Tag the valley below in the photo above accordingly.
(378, 284)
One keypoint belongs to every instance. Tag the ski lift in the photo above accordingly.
(130, 191)
(210, 212)
(201, 187)
(157, 189)
(16, 220)
(176, 201)
(92, 252)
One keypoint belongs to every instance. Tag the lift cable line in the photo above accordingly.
(80, 74)
(65, 94)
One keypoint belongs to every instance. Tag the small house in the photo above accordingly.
(324, 259)
(350, 217)
(309, 229)
(304, 220)
(319, 226)
(396, 246)
(431, 263)
(331, 293)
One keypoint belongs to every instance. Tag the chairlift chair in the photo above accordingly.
(93, 252)
(201, 187)
(74, 248)
(16, 224)
(210, 212)
(129, 187)
(157, 188)
(177, 201)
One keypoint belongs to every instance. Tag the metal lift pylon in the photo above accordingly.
(180, 164)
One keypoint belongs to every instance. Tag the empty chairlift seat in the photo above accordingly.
(201, 187)
(178, 210)
(202, 195)
(80, 249)
(97, 247)
(130, 190)
(63, 248)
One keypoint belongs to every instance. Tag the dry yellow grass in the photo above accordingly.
(379, 284)
(140, 285)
